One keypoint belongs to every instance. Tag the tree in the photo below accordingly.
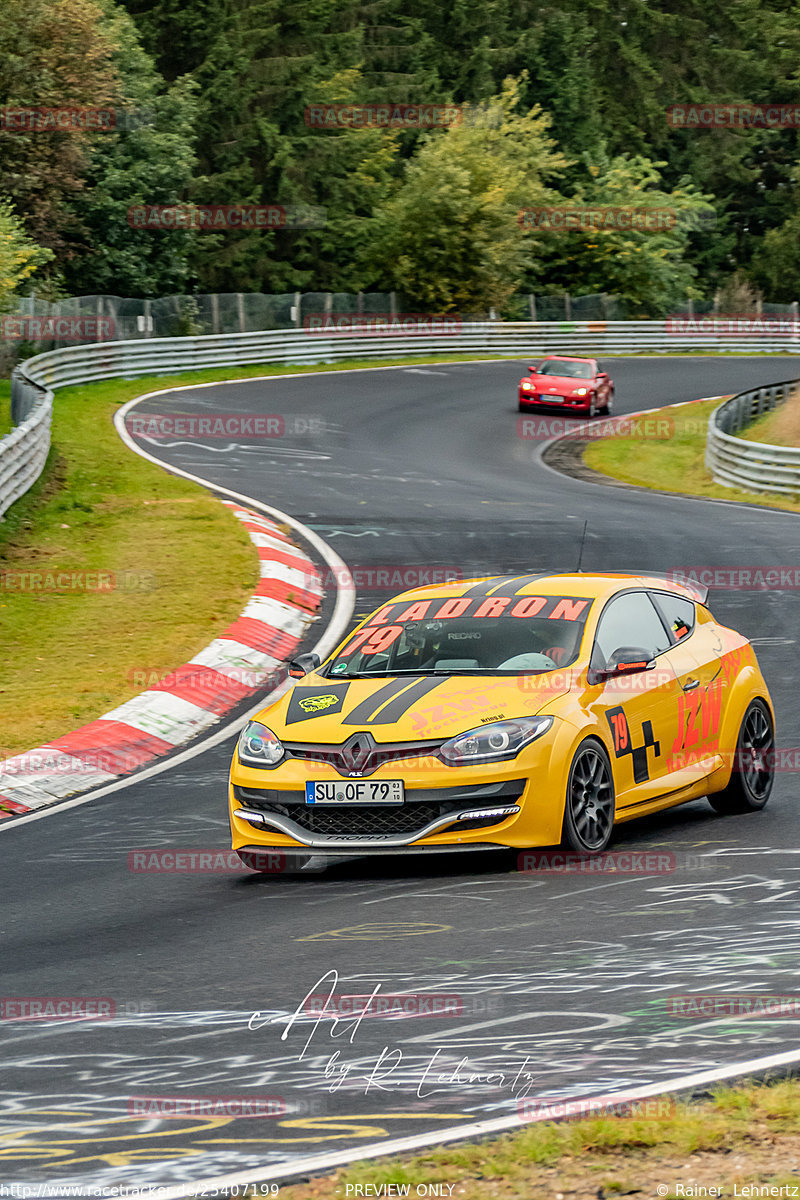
(449, 238)
(53, 54)
(647, 268)
(20, 257)
(150, 162)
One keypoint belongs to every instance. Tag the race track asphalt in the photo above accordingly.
(561, 981)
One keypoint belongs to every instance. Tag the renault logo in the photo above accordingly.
(356, 752)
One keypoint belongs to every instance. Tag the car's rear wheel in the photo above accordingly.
(589, 810)
(753, 765)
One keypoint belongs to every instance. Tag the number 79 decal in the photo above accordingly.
(620, 731)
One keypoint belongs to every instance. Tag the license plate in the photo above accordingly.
(553, 399)
(362, 791)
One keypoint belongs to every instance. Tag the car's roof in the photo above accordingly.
(577, 584)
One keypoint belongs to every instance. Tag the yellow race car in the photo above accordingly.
(506, 712)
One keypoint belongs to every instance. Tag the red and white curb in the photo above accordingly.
(189, 700)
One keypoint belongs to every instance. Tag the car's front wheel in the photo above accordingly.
(609, 403)
(589, 810)
(753, 765)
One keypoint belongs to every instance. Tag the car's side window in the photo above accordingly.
(629, 626)
(677, 612)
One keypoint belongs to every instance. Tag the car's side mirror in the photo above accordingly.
(628, 660)
(303, 665)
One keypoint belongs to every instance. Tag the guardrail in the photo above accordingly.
(24, 451)
(752, 466)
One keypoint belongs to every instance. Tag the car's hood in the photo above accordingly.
(543, 382)
(407, 708)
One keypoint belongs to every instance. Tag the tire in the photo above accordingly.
(606, 409)
(589, 808)
(521, 406)
(266, 864)
(592, 409)
(753, 766)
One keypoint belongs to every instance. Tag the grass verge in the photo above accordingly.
(739, 1136)
(781, 427)
(674, 464)
(5, 407)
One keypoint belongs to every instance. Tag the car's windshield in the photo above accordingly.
(513, 635)
(567, 370)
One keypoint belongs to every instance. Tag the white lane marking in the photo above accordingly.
(317, 1163)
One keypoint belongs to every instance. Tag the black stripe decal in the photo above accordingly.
(363, 713)
(488, 587)
(401, 704)
(398, 697)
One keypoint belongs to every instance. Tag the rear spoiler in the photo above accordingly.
(687, 581)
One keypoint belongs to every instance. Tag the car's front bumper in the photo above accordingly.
(566, 404)
(513, 803)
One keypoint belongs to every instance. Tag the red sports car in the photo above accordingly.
(576, 384)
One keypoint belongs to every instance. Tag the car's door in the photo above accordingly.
(638, 711)
(697, 659)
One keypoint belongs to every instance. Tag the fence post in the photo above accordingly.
(297, 314)
(567, 306)
(215, 312)
(240, 308)
(532, 306)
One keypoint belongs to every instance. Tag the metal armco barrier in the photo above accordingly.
(23, 452)
(752, 466)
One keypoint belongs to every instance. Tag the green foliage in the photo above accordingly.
(227, 82)
(20, 257)
(649, 269)
(449, 237)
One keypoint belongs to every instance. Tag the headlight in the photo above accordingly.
(491, 743)
(258, 746)
(526, 387)
(580, 391)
